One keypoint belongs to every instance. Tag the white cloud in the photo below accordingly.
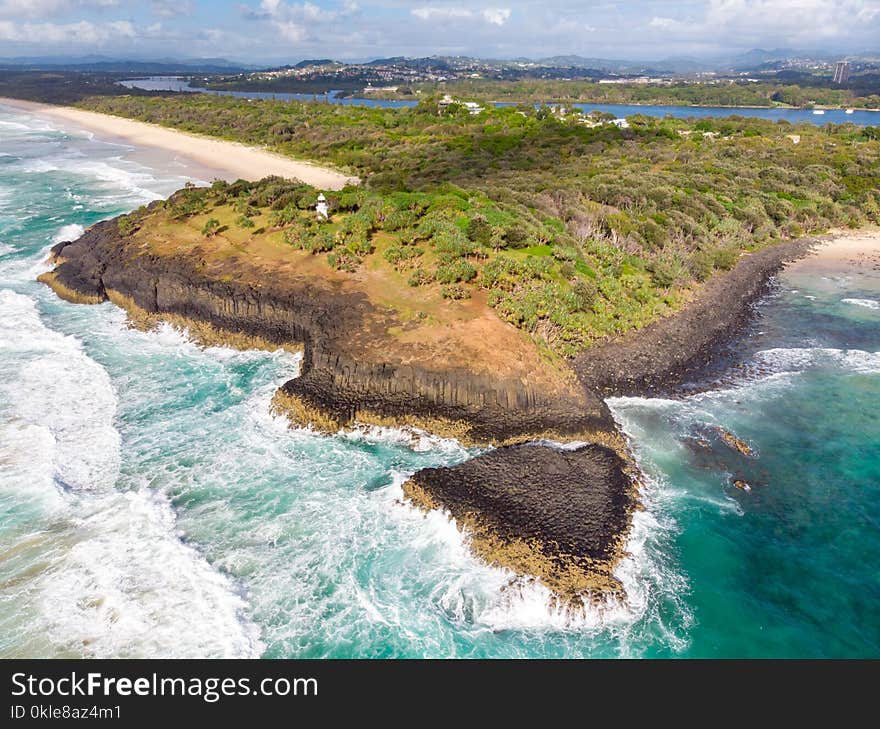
(493, 16)
(306, 11)
(172, 8)
(287, 30)
(39, 9)
(435, 13)
(496, 16)
(290, 31)
(779, 22)
(83, 33)
(295, 22)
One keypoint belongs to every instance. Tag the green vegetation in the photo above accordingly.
(721, 93)
(211, 227)
(126, 225)
(575, 230)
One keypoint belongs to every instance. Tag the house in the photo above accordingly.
(472, 107)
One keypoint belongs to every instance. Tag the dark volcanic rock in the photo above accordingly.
(561, 515)
(571, 507)
(682, 347)
(335, 385)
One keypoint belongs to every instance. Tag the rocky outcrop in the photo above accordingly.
(561, 515)
(683, 347)
(558, 514)
(336, 385)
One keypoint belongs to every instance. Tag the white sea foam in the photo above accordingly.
(769, 372)
(114, 578)
(14, 125)
(24, 448)
(414, 438)
(866, 303)
(68, 233)
(51, 383)
(26, 123)
(6, 248)
(127, 586)
(126, 180)
(795, 359)
(478, 595)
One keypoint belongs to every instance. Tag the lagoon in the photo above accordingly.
(793, 116)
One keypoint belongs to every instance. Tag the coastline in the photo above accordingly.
(502, 499)
(843, 249)
(356, 370)
(683, 348)
(213, 158)
(782, 107)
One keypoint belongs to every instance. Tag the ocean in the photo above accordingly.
(152, 507)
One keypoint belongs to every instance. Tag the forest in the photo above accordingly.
(576, 228)
(721, 93)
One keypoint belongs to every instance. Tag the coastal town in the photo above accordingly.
(402, 74)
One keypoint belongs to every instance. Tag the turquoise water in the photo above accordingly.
(859, 117)
(151, 506)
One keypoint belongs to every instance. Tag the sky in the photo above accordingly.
(284, 31)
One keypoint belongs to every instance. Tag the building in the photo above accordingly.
(321, 208)
(473, 108)
(841, 72)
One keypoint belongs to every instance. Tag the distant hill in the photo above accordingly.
(317, 62)
(103, 64)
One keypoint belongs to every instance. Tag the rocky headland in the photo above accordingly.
(559, 514)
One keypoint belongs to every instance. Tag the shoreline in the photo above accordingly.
(500, 500)
(683, 348)
(843, 249)
(685, 352)
(214, 158)
(635, 103)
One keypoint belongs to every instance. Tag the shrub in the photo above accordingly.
(344, 261)
(126, 225)
(397, 256)
(585, 292)
(663, 273)
(701, 265)
(479, 230)
(210, 228)
(420, 277)
(566, 253)
(516, 236)
(726, 258)
(455, 292)
(243, 221)
(319, 242)
(455, 271)
(245, 208)
(399, 219)
(295, 236)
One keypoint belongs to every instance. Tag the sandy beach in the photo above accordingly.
(209, 158)
(844, 249)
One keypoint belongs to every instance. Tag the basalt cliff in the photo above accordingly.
(560, 514)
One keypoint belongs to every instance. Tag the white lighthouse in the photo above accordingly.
(321, 208)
